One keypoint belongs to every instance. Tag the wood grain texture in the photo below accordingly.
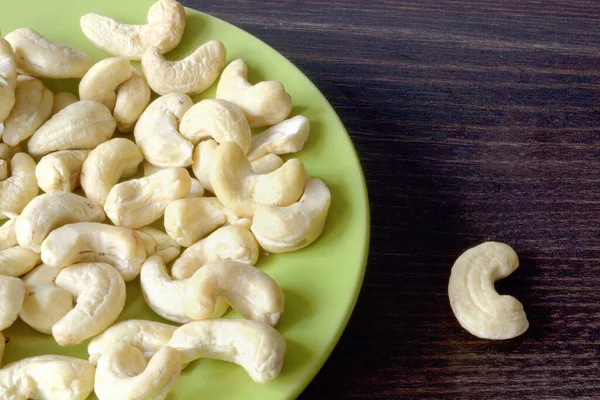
(474, 120)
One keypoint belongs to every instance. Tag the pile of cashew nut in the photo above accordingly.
(77, 215)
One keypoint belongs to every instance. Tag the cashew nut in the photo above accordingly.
(283, 229)
(196, 189)
(257, 347)
(473, 298)
(16, 261)
(156, 132)
(8, 237)
(100, 293)
(146, 336)
(218, 119)
(133, 96)
(106, 164)
(266, 164)
(8, 81)
(266, 103)
(82, 125)
(21, 187)
(240, 189)
(248, 290)
(33, 105)
(41, 57)
(286, 137)
(101, 81)
(50, 211)
(12, 293)
(124, 374)
(139, 202)
(47, 377)
(162, 244)
(166, 22)
(62, 100)
(95, 242)
(192, 75)
(60, 171)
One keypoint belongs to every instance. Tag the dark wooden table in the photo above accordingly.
(474, 120)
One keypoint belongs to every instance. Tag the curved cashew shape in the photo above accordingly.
(139, 202)
(100, 82)
(266, 103)
(240, 189)
(156, 132)
(251, 292)
(286, 137)
(60, 171)
(257, 347)
(50, 211)
(100, 293)
(33, 105)
(16, 261)
(12, 293)
(284, 229)
(161, 243)
(62, 100)
(21, 187)
(166, 23)
(8, 81)
(82, 125)
(106, 165)
(95, 242)
(48, 377)
(232, 242)
(146, 336)
(192, 75)
(133, 96)
(8, 237)
(473, 298)
(218, 119)
(124, 374)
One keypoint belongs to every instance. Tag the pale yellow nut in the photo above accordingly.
(285, 229)
(139, 202)
(21, 187)
(191, 75)
(217, 119)
(256, 347)
(3, 170)
(33, 105)
(157, 134)
(286, 137)
(474, 300)
(133, 96)
(101, 81)
(16, 261)
(267, 163)
(248, 290)
(240, 189)
(12, 293)
(82, 125)
(146, 336)
(48, 377)
(50, 211)
(106, 165)
(95, 242)
(8, 81)
(124, 374)
(196, 189)
(62, 100)
(266, 103)
(166, 23)
(60, 171)
(163, 246)
(8, 237)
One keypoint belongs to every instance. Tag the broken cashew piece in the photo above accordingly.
(240, 189)
(95, 242)
(266, 103)
(106, 165)
(62, 100)
(192, 75)
(12, 293)
(160, 243)
(139, 202)
(133, 96)
(248, 290)
(8, 81)
(48, 377)
(256, 347)
(286, 137)
(82, 125)
(21, 187)
(166, 23)
(284, 229)
(156, 132)
(60, 171)
(101, 81)
(16, 261)
(474, 300)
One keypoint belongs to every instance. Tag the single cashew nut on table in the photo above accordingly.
(95, 242)
(48, 377)
(106, 165)
(101, 81)
(257, 347)
(60, 171)
(286, 137)
(21, 187)
(12, 293)
(133, 96)
(166, 23)
(62, 100)
(192, 75)
(8, 81)
(266, 103)
(473, 298)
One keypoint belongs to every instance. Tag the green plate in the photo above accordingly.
(321, 282)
